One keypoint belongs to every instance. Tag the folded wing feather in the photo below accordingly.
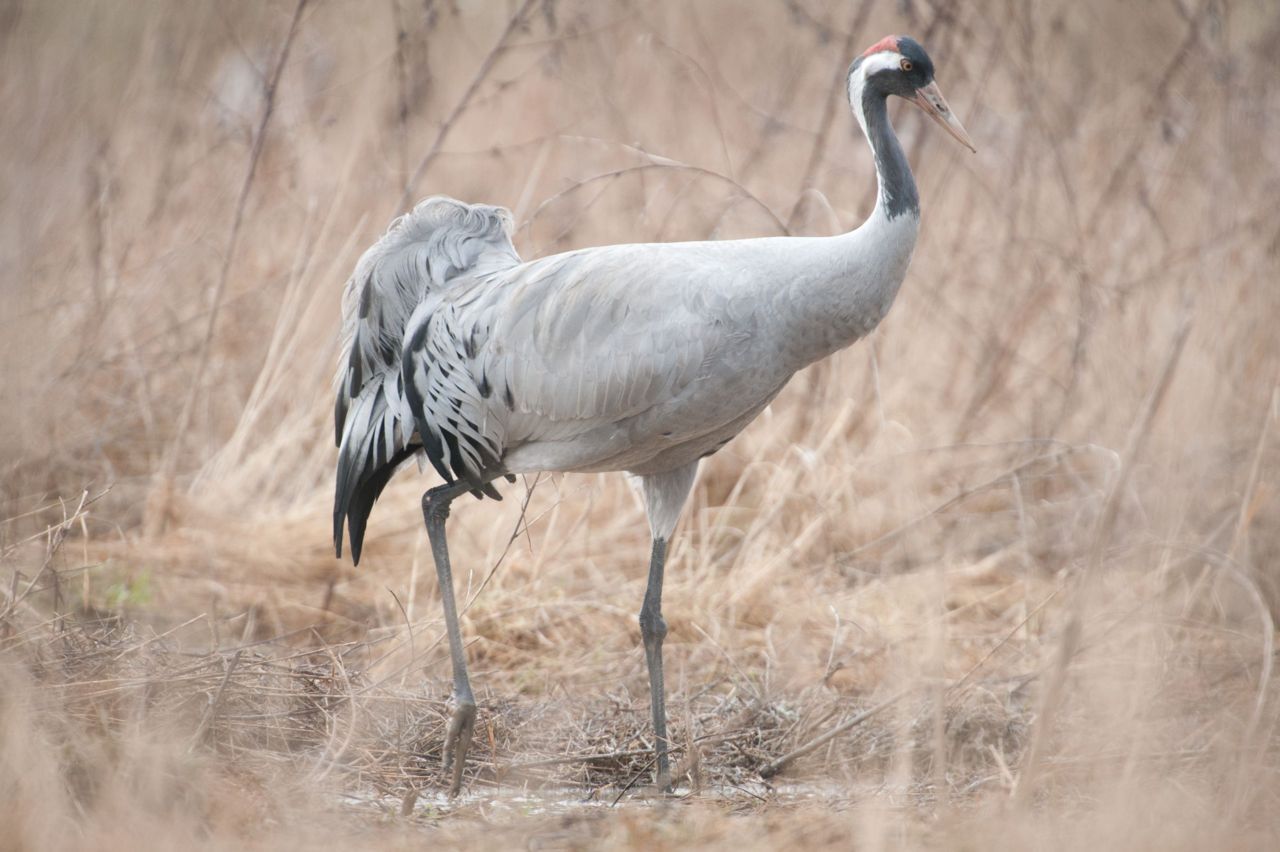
(421, 253)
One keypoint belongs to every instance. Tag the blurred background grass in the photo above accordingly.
(956, 506)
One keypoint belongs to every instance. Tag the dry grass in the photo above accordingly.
(1028, 503)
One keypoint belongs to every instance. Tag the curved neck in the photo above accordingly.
(839, 288)
(897, 188)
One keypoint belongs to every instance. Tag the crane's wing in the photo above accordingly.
(555, 348)
(605, 334)
(422, 253)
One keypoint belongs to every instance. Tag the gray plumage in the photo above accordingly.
(421, 253)
(630, 357)
(639, 358)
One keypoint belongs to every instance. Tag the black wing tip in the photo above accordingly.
(357, 490)
(339, 516)
(357, 520)
(355, 550)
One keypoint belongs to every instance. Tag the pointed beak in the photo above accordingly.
(930, 99)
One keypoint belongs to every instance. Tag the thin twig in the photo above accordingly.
(634, 778)
(57, 534)
(1052, 457)
(1071, 634)
(482, 73)
(1248, 505)
(52, 527)
(521, 523)
(211, 713)
(775, 766)
(835, 96)
(660, 163)
(407, 623)
(170, 463)
(962, 681)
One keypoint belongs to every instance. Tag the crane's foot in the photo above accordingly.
(457, 740)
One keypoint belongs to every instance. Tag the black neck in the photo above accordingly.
(897, 186)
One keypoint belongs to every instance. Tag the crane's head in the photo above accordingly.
(898, 65)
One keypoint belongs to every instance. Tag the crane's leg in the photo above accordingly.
(653, 629)
(435, 510)
(664, 495)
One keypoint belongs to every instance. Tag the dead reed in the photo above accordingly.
(1030, 522)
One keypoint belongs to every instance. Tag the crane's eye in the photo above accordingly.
(906, 65)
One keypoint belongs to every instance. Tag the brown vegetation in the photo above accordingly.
(1036, 508)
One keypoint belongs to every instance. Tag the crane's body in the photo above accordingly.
(641, 358)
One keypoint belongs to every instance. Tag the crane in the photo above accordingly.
(641, 358)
